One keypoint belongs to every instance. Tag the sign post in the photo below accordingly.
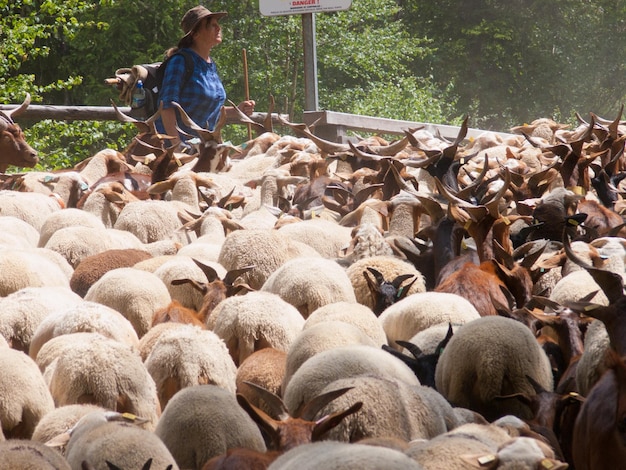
(306, 8)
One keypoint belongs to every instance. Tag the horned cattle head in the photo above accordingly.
(14, 150)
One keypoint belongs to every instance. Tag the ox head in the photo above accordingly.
(13, 147)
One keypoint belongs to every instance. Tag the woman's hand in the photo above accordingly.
(247, 107)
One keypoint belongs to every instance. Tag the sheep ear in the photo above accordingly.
(231, 276)
(328, 422)
(276, 405)
(412, 348)
(112, 466)
(373, 284)
(59, 440)
(208, 271)
(197, 285)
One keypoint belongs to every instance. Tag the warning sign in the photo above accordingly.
(296, 7)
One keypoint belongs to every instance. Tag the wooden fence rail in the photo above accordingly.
(330, 125)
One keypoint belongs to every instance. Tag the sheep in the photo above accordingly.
(15, 150)
(24, 396)
(92, 268)
(390, 268)
(151, 221)
(575, 286)
(503, 352)
(354, 314)
(339, 363)
(591, 365)
(266, 368)
(59, 421)
(136, 294)
(310, 283)
(107, 440)
(322, 337)
(16, 233)
(66, 218)
(342, 456)
(31, 268)
(187, 356)
(428, 340)
(33, 208)
(147, 342)
(326, 237)
(367, 241)
(254, 321)
(415, 313)
(203, 421)
(105, 373)
(23, 454)
(266, 250)
(85, 317)
(22, 311)
(391, 408)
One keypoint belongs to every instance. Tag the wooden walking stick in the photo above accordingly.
(246, 87)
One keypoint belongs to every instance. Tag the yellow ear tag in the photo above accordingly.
(578, 190)
(467, 225)
(547, 464)
(589, 308)
(486, 459)
(129, 416)
(506, 220)
(313, 214)
(178, 162)
(573, 222)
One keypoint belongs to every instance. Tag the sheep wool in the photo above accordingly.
(136, 294)
(188, 356)
(310, 283)
(354, 314)
(24, 396)
(28, 268)
(32, 208)
(69, 217)
(203, 421)
(416, 312)
(27, 455)
(254, 321)
(501, 353)
(15, 233)
(60, 420)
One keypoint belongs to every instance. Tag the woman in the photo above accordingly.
(202, 95)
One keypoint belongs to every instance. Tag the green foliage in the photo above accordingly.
(63, 144)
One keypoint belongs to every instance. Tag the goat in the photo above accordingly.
(423, 365)
(384, 293)
(14, 150)
(283, 433)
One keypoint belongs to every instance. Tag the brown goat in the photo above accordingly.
(14, 150)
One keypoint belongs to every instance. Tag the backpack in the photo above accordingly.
(152, 77)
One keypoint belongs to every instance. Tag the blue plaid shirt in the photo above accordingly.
(202, 96)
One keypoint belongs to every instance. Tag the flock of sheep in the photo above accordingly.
(313, 305)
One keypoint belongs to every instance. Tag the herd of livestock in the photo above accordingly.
(292, 302)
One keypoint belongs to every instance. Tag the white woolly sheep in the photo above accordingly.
(147, 342)
(30, 268)
(575, 286)
(108, 374)
(70, 217)
(16, 233)
(591, 365)
(310, 283)
(60, 420)
(266, 250)
(22, 311)
(188, 356)
(84, 317)
(502, 353)
(367, 241)
(428, 340)
(136, 294)
(77, 242)
(24, 396)
(254, 321)
(100, 438)
(342, 456)
(415, 313)
(391, 408)
(203, 421)
(355, 314)
(92, 268)
(326, 237)
(32, 208)
(22, 454)
(339, 363)
(322, 337)
(152, 221)
(390, 267)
